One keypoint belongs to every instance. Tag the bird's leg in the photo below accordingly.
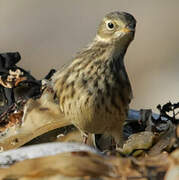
(118, 138)
(113, 144)
(85, 137)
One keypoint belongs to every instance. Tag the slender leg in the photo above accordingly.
(85, 137)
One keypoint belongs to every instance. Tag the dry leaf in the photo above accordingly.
(40, 116)
(74, 164)
(137, 142)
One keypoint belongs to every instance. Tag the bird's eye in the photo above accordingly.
(110, 25)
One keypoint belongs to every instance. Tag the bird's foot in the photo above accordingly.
(85, 138)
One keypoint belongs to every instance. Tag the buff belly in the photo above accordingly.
(93, 117)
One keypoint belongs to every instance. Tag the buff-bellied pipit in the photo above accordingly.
(94, 90)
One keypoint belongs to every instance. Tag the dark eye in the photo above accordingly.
(110, 25)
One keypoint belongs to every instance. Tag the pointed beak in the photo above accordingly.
(127, 30)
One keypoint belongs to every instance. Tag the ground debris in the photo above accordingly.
(17, 86)
(29, 115)
(88, 165)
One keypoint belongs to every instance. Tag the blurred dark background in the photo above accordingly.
(49, 33)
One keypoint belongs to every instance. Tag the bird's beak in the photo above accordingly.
(127, 30)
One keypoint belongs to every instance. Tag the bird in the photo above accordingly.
(93, 90)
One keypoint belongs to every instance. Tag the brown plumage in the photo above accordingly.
(94, 90)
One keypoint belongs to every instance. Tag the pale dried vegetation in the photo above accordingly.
(151, 150)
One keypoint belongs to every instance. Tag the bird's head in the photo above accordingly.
(117, 27)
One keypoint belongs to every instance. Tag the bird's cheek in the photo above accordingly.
(118, 35)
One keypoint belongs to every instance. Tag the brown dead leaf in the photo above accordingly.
(65, 134)
(138, 142)
(78, 164)
(14, 119)
(40, 116)
(173, 171)
(87, 165)
(152, 167)
(165, 140)
(125, 170)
